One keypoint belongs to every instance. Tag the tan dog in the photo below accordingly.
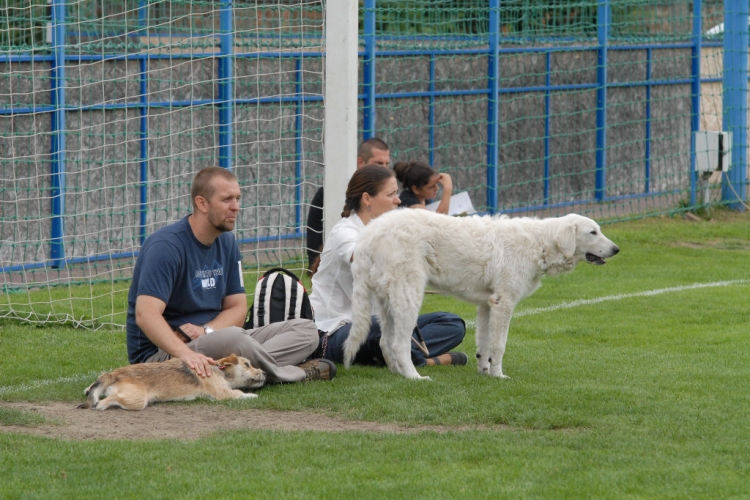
(133, 387)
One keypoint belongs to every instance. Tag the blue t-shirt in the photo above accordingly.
(190, 277)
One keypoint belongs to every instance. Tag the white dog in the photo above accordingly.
(490, 261)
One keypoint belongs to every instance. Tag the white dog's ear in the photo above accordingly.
(565, 239)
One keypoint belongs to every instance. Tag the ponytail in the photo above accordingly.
(413, 173)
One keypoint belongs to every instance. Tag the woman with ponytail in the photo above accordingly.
(420, 183)
(372, 191)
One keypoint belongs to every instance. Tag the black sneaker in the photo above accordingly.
(318, 369)
(458, 358)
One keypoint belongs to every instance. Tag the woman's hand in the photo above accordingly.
(445, 181)
(445, 200)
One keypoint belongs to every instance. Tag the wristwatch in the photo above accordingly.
(207, 329)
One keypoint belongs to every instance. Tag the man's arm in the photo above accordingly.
(233, 312)
(149, 318)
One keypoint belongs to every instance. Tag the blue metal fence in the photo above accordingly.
(735, 81)
(735, 65)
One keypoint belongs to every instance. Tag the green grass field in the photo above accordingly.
(627, 381)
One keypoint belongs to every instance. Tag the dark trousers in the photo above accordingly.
(441, 332)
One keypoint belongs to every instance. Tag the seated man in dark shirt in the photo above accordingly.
(187, 298)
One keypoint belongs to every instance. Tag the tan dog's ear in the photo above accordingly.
(565, 238)
(229, 360)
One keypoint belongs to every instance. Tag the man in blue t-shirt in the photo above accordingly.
(187, 298)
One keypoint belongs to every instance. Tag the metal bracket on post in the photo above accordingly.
(713, 151)
(712, 154)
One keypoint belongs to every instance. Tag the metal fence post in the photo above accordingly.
(735, 100)
(226, 83)
(602, 31)
(368, 71)
(298, 147)
(695, 90)
(143, 133)
(58, 157)
(493, 119)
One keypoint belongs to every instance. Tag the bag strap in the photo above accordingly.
(260, 298)
(291, 312)
(281, 270)
(420, 343)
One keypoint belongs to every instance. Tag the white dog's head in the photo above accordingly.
(581, 239)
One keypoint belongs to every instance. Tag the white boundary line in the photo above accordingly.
(647, 293)
(526, 312)
(8, 389)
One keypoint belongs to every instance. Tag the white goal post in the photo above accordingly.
(340, 106)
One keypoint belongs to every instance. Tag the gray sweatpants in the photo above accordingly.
(274, 348)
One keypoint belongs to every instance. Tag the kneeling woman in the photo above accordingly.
(372, 191)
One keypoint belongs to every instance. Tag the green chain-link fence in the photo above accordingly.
(107, 109)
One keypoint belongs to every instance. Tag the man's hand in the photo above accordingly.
(198, 362)
(192, 331)
(148, 317)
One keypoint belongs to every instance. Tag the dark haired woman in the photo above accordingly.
(420, 183)
(372, 191)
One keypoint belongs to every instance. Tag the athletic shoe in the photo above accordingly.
(318, 369)
(459, 358)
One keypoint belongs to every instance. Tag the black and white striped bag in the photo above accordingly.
(279, 296)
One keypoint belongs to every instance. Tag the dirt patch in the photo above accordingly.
(720, 244)
(66, 421)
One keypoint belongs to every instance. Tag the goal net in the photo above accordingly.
(107, 110)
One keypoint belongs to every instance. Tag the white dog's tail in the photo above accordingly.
(360, 315)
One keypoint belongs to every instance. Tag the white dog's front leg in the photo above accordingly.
(483, 339)
(500, 312)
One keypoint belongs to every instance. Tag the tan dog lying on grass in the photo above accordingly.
(133, 387)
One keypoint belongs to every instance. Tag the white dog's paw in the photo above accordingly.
(248, 395)
(497, 371)
(488, 370)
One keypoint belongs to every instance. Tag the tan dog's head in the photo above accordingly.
(240, 373)
(581, 238)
